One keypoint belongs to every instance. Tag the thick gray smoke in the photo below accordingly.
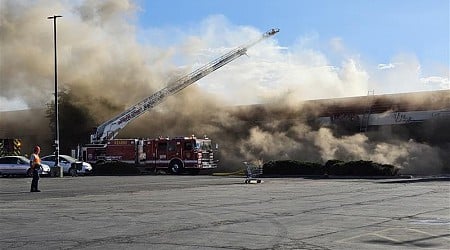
(105, 70)
(285, 132)
(99, 58)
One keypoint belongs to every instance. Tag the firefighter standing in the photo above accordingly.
(35, 162)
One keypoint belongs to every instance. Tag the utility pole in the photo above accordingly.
(56, 101)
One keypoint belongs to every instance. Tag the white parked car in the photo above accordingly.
(19, 165)
(69, 164)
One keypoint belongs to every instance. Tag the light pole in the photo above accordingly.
(56, 101)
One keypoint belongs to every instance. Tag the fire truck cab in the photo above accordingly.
(179, 153)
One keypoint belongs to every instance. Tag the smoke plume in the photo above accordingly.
(104, 67)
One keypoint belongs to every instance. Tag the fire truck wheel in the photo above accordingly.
(175, 167)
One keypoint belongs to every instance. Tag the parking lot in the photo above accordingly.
(208, 212)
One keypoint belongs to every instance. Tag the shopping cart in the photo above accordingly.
(254, 170)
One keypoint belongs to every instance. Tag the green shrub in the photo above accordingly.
(289, 167)
(360, 168)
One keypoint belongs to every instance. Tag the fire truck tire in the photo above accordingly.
(175, 167)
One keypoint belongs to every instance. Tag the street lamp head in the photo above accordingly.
(53, 17)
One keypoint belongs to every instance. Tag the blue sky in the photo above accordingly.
(376, 30)
(361, 45)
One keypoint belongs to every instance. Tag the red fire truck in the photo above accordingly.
(176, 155)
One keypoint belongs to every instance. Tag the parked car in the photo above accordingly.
(69, 164)
(19, 165)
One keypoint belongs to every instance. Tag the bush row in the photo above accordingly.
(331, 167)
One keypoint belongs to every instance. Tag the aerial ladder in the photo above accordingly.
(108, 130)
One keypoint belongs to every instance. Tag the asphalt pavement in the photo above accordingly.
(210, 212)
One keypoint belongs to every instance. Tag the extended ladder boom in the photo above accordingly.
(110, 129)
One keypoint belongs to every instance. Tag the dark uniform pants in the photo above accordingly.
(34, 182)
